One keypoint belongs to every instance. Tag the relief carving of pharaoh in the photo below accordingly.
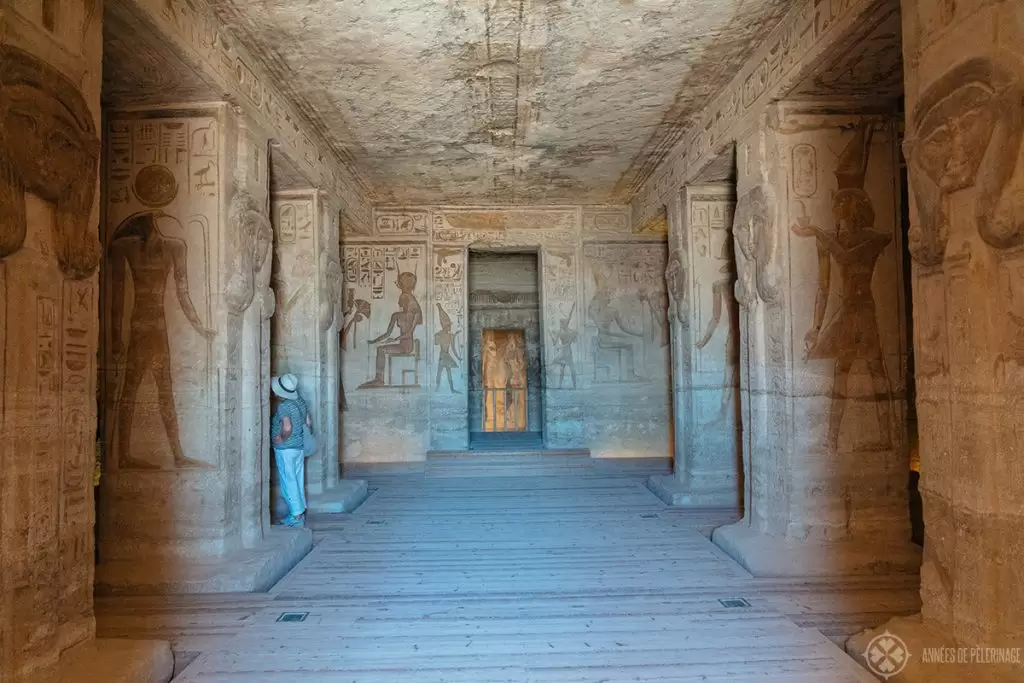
(966, 132)
(48, 146)
(254, 236)
(754, 233)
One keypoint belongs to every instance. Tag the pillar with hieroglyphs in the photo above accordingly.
(307, 281)
(185, 305)
(964, 82)
(823, 345)
(700, 276)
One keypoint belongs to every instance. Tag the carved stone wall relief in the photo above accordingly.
(48, 146)
(164, 191)
(966, 132)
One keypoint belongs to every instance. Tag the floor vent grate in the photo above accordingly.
(734, 603)
(292, 617)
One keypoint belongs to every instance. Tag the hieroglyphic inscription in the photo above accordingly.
(385, 283)
(77, 429)
(161, 231)
(400, 222)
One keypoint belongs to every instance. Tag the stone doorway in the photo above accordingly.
(505, 367)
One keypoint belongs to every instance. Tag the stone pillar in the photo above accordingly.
(50, 76)
(964, 92)
(817, 243)
(704, 315)
(305, 334)
(185, 302)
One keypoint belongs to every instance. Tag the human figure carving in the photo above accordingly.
(356, 311)
(852, 332)
(407, 318)
(724, 301)
(613, 334)
(562, 340)
(150, 257)
(495, 376)
(448, 354)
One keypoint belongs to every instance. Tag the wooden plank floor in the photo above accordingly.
(584, 577)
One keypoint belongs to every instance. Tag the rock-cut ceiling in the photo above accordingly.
(488, 101)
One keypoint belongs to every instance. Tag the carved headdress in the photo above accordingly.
(853, 162)
(48, 146)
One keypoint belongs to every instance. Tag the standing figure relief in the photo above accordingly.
(854, 245)
(150, 257)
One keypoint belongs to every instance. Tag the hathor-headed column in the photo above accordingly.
(822, 331)
(704, 320)
(964, 74)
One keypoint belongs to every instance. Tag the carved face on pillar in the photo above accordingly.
(330, 295)
(753, 231)
(966, 132)
(49, 147)
(254, 236)
(675, 280)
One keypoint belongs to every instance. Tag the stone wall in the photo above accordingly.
(603, 318)
(49, 148)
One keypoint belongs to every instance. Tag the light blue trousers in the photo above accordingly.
(291, 470)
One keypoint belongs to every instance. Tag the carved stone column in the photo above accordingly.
(964, 89)
(817, 243)
(305, 333)
(50, 76)
(700, 277)
(187, 248)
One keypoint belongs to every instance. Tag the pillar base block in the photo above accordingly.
(937, 667)
(250, 570)
(111, 660)
(764, 555)
(345, 497)
(673, 491)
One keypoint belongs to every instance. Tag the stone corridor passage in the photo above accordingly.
(573, 573)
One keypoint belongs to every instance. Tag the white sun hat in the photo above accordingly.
(285, 386)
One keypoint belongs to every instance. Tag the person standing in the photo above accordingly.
(287, 431)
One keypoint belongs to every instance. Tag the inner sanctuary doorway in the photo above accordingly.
(505, 365)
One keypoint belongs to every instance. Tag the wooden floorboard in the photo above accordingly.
(580, 577)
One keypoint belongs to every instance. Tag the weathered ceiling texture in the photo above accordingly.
(548, 101)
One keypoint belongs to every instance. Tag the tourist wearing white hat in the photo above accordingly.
(287, 433)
